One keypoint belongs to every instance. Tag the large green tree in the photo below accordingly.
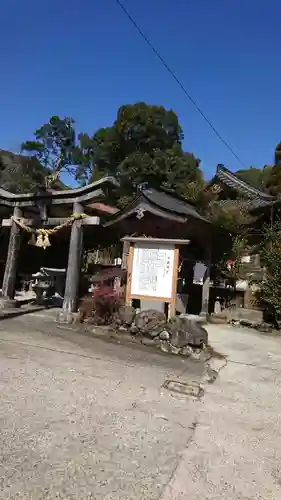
(274, 180)
(144, 145)
(232, 219)
(55, 147)
(271, 260)
(256, 177)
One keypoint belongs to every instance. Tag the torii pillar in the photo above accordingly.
(9, 280)
(73, 267)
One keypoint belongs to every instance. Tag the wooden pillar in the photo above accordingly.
(74, 266)
(172, 304)
(206, 285)
(128, 300)
(9, 280)
(125, 254)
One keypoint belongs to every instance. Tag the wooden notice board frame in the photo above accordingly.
(163, 242)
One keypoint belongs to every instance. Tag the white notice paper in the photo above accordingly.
(152, 271)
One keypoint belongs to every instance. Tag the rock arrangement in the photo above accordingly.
(179, 335)
(241, 317)
(247, 323)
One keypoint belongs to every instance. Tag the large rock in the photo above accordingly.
(127, 315)
(150, 322)
(184, 332)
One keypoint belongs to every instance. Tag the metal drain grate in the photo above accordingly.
(188, 388)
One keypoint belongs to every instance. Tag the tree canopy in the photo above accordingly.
(144, 145)
(273, 184)
(54, 147)
(271, 260)
(256, 177)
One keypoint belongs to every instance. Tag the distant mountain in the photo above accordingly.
(23, 174)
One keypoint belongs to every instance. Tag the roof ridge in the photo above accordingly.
(173, 194)
(221, 169)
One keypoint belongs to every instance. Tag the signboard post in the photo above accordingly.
(153, 270)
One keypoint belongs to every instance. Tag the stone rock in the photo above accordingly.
(174, 349)
(234, 322)
(133, 329)
(116, 320)
(184, 332)
(265, 328)
(195, 318)
(77, 318)
(122, 329)
(210, 376)
(127, 315)
(164, 335)
(148, 342)
(164, 346)
(218, 319)
(196, 354)
(153, 333)
(249, 323)
(157, 342)
(186, 351)
(148, 321)
(167, 347)
(241, 313)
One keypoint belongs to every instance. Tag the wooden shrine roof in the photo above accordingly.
(257, 197)
(160, 204)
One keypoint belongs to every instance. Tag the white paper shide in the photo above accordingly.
(152, 271)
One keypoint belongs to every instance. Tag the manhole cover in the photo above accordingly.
(188, 388)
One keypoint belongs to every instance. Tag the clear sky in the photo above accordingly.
(84, 59)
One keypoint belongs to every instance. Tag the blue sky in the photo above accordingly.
(84, 59)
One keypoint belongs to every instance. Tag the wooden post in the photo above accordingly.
(125, 254)
(206, 286)
(128, 300)
(9, 280)
(73, 267)
(172, 304)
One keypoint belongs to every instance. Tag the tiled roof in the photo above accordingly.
(257, 197)
(171, 203)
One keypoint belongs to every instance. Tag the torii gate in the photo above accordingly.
(78, 199)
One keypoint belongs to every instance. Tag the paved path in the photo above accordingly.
(85, 419)
(235, 452)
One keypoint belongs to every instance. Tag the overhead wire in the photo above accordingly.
(172, 73)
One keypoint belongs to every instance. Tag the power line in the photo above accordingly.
(149, 43)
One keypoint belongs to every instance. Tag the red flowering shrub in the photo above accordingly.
(86, 307)
(106, 302)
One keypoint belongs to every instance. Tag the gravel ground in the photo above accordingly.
(82, 418)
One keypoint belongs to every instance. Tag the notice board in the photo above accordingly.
(153, 271)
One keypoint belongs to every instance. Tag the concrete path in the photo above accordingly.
(85, 419)
(235, 452)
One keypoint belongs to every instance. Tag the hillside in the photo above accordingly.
(22, 174)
